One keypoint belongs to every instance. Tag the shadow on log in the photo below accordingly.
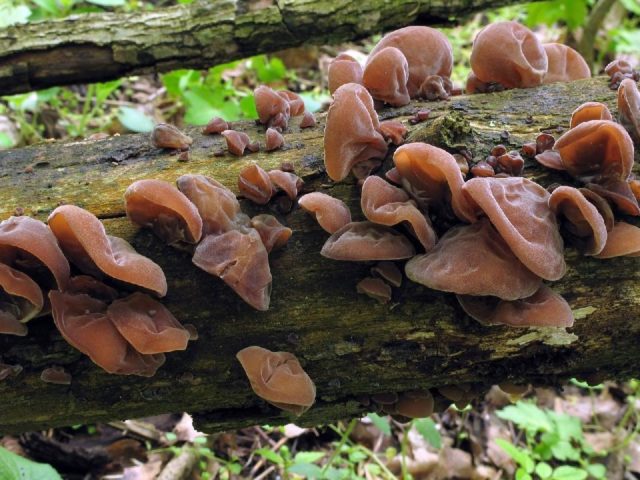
(349, 344)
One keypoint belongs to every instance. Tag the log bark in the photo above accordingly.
(349, 344)
(99, 47)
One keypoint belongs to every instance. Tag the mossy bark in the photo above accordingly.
(349, 344)
(99, 47)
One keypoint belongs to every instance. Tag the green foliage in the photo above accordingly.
(15, 467)
(572, 13)
(551, 438)
(381, 422)
(427, 428)
(135, 120)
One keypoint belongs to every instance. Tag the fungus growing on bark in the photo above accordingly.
(580, 219)
(85, 242)
(215, 125)
(274, 140)
(509, 54)
(342, 70)
(415, 404)
(374, 288)
(362, 241)
(427, 51)
(238, 142)
(389, 272)
(147, 324)
(240, 259)
(84, 323)
(473, 260)
(331, 213)
(20, 300)
(56, 375)
(352, 131)
(274, 235)
(278, 378)
(254, 183)
(518, 208)
(510, 163)
(168, 136)
(385, 204)
(158, 205)
(544, 308)
(308, 120)
(288, 182)
(622, 240)
(629, 107)
(482, 169)
(273, 109)
(393, 130)
(590, 111)
(386, 75)
(564, 64)
(296, 104)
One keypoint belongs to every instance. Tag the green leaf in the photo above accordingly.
(306, 470)
(569, 473)
(15, 467)
(597, 470)
(135, 120)
(103, 90)
(357, 456)
(270, 455)
(543, 470)
(563, 450)
(248, 107)
(268, 70)
(520, 456)
(10, 15)
(521, 474)
(235, 468)
(49, 6)
(631, 5)
(308, 457)
(107, 3)
(427, 428)
(5, 141)
(380, 422)
(527, 416)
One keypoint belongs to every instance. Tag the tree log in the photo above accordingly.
(99, 47)
(349, 344)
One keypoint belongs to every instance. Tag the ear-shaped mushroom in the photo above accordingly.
(278, 378)
(581, 219)
(217, 205)
(147, 324)
(342, 70)
(83, 323)
(362, 241)
(288, 182)
(374, 288)
(165, 135)
(428, 52)
(238, 142)
(564, 64)
(241, 261)
(388, 271)
(255, 184)
(215, 125)
(308, 120)
(386, 76)
(620, 194)
(509, 54)
(385, 204)
(163, 208)
(473, 260)
(274, 235)
(393, 130)
(519, 210)
(545, 308)
(92, 287)
(56, 375)
(296, 103)
(331, 213)
(415, 404)
(24, 238)
(20, 300)
(435, 173)
(590, 111)
(273, 109)
(351, 133)
(623, 240)
(85, 242)
(274, 141)
(629, 107)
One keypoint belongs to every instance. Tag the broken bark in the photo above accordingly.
(348, 343)
(99, 47)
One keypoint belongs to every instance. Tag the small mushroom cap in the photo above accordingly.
(274, 235)
(168, 136)
(623, 240)
(602, 205)
(362, 241)
(278, 378)
(147, 324)
(374, 288)
(518, 208)
(343, 69)
(598, 150)
(629, 107)
(427, 51)
(590, 111)
(296, 103)
(389, 272)
(385, 204)
(237, 142)
(510, 54)
(436, 174)
(545, 308)
(55, 375)
(217, 205)
(274, 139)
(473, 260)
(255, 184)
(564, 64)
(288, 182)
(20, 300)
(163, 208)
(308, 120)
(393, 130)
(386, 76)
(580, 218)
(619, 192)
(415, 404)
(83, 323)
(351, 133)
(273, 109)
(215, 125)
(331, 213)
(27, 238)
(92, 287)
(85, 242)
(241, 261)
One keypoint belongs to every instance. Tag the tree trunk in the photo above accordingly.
(349, 344)
(100, 47)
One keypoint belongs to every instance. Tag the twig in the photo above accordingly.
(590, 30)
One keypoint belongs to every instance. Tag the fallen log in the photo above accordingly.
(349, 344)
